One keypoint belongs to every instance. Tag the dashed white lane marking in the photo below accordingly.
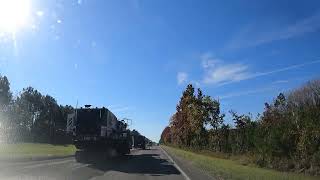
(79, 166)
(46, 164)
(176, 165)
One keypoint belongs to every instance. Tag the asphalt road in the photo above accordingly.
(139, 165)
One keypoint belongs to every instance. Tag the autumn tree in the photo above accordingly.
(194, 112)
(166, 135)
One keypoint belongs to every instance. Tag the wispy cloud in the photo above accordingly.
(182, 77)
(208, 60)
(291, 67)
(257, 34)
(219, 73)
(249, 92)
(216, 71)
(226, 73)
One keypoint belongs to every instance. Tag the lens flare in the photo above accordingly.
(14, 15)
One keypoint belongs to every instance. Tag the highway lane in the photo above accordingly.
(139, 165)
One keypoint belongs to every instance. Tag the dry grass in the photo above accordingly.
(230, 169)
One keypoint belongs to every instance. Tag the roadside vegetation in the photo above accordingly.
(286, 136)
(34, 124)
(31, 116)
(229, 169)
(34, 150)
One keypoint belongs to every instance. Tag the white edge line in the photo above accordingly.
(175, 164)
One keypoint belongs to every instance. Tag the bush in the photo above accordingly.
(285, 137)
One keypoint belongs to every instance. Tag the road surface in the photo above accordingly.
(139, 165)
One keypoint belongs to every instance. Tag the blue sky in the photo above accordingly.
(137, 56)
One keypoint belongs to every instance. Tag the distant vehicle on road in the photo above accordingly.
(139, 141)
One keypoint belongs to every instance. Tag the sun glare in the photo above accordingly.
(14, 15)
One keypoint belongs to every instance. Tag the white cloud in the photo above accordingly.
(226, 73)
(291, 67)
(182, 77)
(208, 61)
(219, 73)
(258, 34)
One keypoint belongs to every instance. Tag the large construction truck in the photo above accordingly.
(139, 141)
(97, 131)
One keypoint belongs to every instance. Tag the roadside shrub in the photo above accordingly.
(285, 137)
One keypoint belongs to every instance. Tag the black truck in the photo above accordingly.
(99, 131)
(139, 141)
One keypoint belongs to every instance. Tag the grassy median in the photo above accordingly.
(228, 169)
(34, 150)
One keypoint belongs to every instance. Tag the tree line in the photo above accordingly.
(31, 116)
(286, 136)
(34, 117)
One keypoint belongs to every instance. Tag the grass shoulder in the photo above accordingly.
(35, 150)
(230, 169)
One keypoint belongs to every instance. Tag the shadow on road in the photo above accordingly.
(150, 164)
